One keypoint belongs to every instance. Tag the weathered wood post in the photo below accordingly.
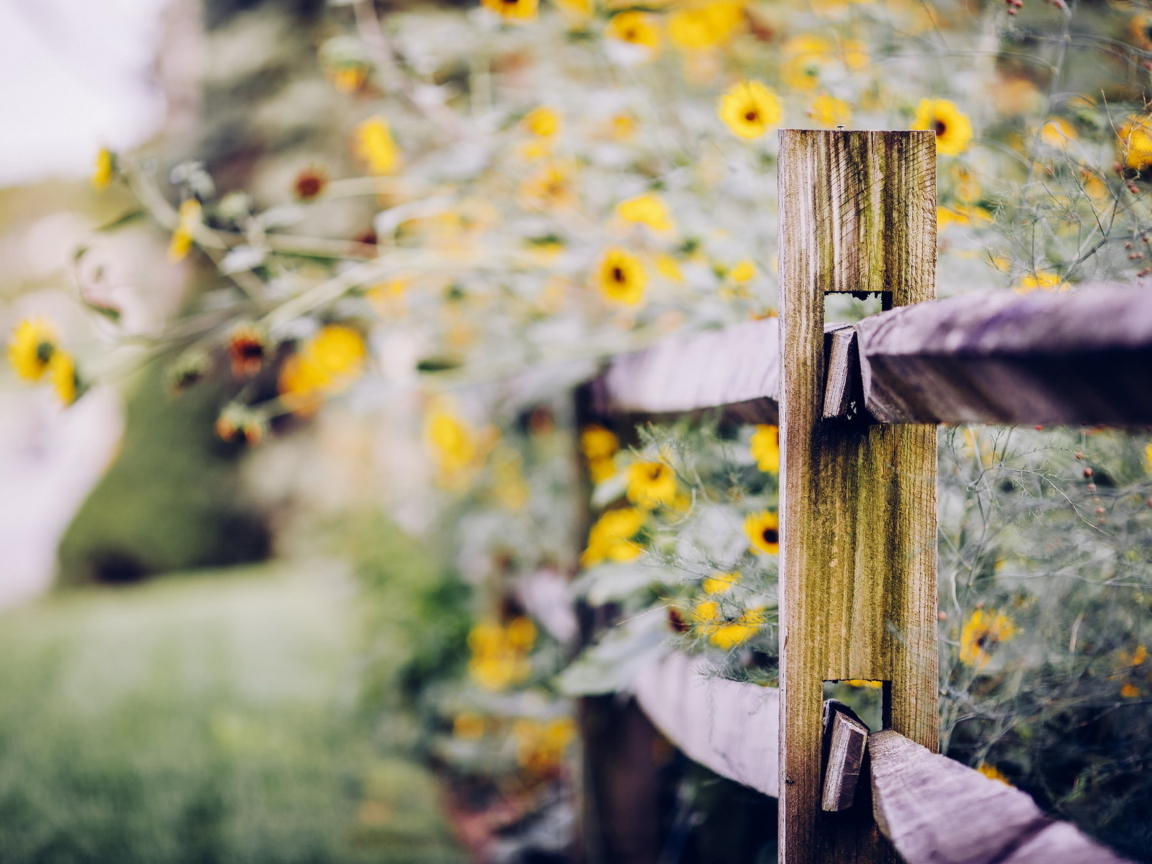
(858, 526)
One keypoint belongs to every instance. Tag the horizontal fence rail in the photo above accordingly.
(730, 728)
(1081, 358)
(935, 810)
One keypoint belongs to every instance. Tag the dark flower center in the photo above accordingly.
(617, 274)
(751, 116)
(770, 535)
(44, 351)
(939, 127)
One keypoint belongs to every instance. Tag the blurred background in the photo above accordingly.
(314, 551)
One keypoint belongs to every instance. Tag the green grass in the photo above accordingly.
(208, 718)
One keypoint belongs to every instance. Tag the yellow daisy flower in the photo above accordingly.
(719, 583)
(726, 633)
(952, 127)
(667, 267)
(744, 271)
(701, 26)
(1136, 142)
(635, 28)
(610, 538)
(750, 109)
(651, 484)
(553, 186)
(982, 632)
(596, 442)
(105, 168)
(620, 277)
(453, 440)
(189, 219)
(375, 146)
(1057, 132)
(62, 370)
(33, 344)
(804, 59)
(765, 447)
(646, 210)
(763, 532)
(542, 122)
(829, 111)
(512, 10)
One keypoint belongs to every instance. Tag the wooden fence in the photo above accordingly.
(858, 408)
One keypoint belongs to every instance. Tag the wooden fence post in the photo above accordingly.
(858, 521)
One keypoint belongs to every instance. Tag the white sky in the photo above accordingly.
(74, 75)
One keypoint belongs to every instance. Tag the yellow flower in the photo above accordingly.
(862, 682)
(376, 147)
(33, 344)
(500, 655)
(827, 110)
(982, 632)
(651, 484)
(705, 25)
(646, 210)
(1136, 142)
(540, 747)
(577, 8)
(1057, 132)
(328, 362)
(188, 220)
(596, 442)
(750, 109)
(542, 122)
(667, 267)
(744, 271)
(953, 129)
(553, 186)
(512, 10)
(623, 126)
(388, 297)
(765, 447)
(1041, 280)
(719, 583)
(453, 441)
(726, 633)
(1140, 28)
(620, 277)
(105, 168)
(763, 532)
(804, 59)
(348, 79)
(967, 186)
(1129, 691)
(62, 370)
(993, 773)
(610, 538)
(468, 725)
(635, 28)
(855, 54)
(947, 216)
(508, 483)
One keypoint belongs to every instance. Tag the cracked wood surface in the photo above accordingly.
(858, 527)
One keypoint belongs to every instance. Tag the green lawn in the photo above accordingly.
(206, 718)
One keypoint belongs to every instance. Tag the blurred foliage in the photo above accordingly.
(170, 501)
(199, 721)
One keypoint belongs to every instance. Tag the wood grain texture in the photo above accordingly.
(858, 527)
(846, 744)
(937, 811)
(736, 368)
(1079, 358)
(843, 391)
(727, 727)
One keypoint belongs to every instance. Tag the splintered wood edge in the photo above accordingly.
(738, 366)
(843, 375)
(934, 809)
(846, 748)
(727, 727)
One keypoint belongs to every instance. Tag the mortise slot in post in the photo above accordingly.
(868, 700)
